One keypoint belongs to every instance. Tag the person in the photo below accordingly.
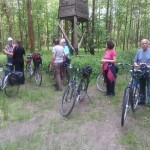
(108, 68)
(57, 61)
(143, 56)
(8, 51)
(18, 59)
(67, 52)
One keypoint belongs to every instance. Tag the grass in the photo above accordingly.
(80, 129)
(132, 141)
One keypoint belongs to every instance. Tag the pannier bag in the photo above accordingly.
(16, 78)
(13, 79)
(87, 71)
(37, 60)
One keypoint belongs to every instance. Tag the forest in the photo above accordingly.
(35, 22)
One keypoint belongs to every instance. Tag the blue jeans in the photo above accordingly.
(10, 60)
(143, 82)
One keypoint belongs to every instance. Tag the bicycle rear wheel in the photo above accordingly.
(51, 72)
(68, 101)
(65, 77)
(126, 105)
(83, 89)
(11, 86)
(38, 76)
(100, 83)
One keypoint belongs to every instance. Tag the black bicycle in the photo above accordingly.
(131, 93)
(74, 91)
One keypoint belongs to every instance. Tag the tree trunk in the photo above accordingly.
(30, 26)
(20, 21)
(8, 16)
(107, 19)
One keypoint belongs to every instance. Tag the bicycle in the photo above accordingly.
(9, 82)
(131, 93)
(74, 91)
(33, 65)
(64, 73)
(100, 82)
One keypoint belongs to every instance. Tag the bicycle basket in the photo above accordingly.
(13, 79)
(87, 71)
(27, 60)
(37, 60)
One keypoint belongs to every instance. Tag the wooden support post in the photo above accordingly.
(75, 35)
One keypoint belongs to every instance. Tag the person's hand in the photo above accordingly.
(103, 60)
(50, 67)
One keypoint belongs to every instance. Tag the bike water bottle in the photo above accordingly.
(136, 84)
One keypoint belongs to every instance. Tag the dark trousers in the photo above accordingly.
(58, 67)
(20, 68)
(110, 85)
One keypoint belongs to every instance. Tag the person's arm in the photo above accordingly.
(107, 60)
(52, 61)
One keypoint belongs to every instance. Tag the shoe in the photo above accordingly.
(141, 103)
(106, 94)
(112, 94)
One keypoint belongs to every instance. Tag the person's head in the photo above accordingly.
(144, 44)
(18, 42)
(63, 42)
(10, 41)
(56, 41)
(109, 45)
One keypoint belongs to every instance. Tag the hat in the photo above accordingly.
(10, 39)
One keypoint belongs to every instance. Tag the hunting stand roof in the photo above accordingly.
(70, 8)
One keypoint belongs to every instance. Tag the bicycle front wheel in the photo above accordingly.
(83, 90)
(29, 70)
(126, 105)
(38, 76)
(68, 101)
(100, 83)
(135, 98)
(11, 86)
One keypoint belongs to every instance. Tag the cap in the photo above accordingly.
(10, 39)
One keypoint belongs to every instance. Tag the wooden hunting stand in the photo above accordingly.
(74, 12)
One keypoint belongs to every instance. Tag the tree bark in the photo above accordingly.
(30, 26)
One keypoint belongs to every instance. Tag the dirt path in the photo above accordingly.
(93, 126)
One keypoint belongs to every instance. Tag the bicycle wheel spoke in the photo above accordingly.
(68, 101)
(126, 105)
(100, 83)
(11, 89)
(38, 77)
(29, 70)
(82, 90)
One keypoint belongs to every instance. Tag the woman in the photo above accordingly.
(57, 60)
(66, 49)
(108, 68)
(18, 59)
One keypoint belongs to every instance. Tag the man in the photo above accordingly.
(9, 50)
(57, 60)
(143, 56)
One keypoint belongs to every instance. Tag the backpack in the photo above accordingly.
(37, 60)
